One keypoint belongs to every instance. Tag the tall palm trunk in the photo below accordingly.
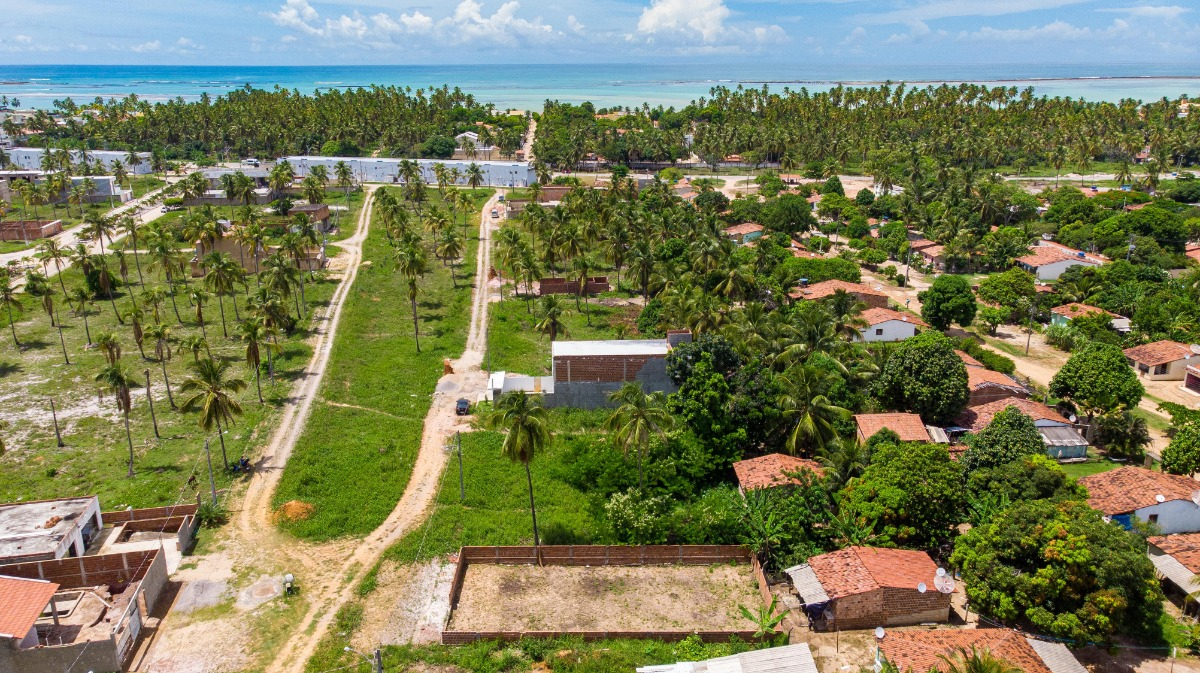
(174, 305)
(167, 383)
(221, 436)
(129, 438)
(86, 330)
(416, 330)
(113, 302)
(62, 285)
(150, 402)
(13, 326)
(137, 262)
(221, 303)
(257, 381)
(532, 510)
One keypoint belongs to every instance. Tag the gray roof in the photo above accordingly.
(610, 347)
(1175, 571)
(1056, 656)
(938, 435)
(23, 530)
(787, 659)
(1060, 435)
(807, 585)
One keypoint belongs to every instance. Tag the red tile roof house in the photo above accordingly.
(986, 386)
(21, 604)
(1161, 360)
(1048, 260)
(1177, 558)
(884, 324)
(1063, 315)
(1168, 500)
(827, 288)
(921, 651)
(1062, 440)
(771, 470)
(866, 587)
(744, 233)
(908, 427)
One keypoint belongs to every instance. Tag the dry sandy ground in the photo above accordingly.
(605, 598)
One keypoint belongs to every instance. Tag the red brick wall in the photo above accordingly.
(890, 607)
(86, 571)
(606, 368)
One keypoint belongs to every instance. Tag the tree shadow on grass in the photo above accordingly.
(36, 344)
(9, 368)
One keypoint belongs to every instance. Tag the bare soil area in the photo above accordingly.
(605, 598)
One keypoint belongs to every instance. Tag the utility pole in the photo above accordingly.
(212, 484)
(1029, 333)
(462, 491)
(378, 661)
(150, 399)
(1129, 252)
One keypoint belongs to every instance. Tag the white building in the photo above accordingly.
(1167, 500)
(370, 169)
(30, 158)
(884, 324)
(1048, 260)
(1161, 360)
(46, 530)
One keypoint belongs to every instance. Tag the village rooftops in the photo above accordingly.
(878, 316)
(620, 347)
(925, 650)
(1051, 253)
(859, 570)
(772, 470)
(977, 418)
(978, 377)
(1075, 310)
(828, 288)
(21, 603)
(1128, 489)
(908, 427)
(1184, 547)
(743, 229)
(967, 359)
(1159, 353)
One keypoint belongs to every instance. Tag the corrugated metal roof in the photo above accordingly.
(1175, 571)
(1056, 656)
(807, 584)
(787, 659)
(1061, 436)
(610, 347)
(938, 435)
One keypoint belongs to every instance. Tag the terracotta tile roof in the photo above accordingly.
(978, 377)
(878, 316)
(1192, 251)
(932, 251)
(21, 603)
(1095, 256)
(1043, 255)
(909, 427)
(1185, 547)
(1127, 489)
(743, 229)
(916, 245)
(967, 359)
(768, 471)
(804, 254)
(978, 418)
(1159, 353)
(827, 288)
(923, 650)
(1075, 310)
(858, 570)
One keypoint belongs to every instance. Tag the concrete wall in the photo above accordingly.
(1175, 371)
(1174, 516)
(30, 158)
(99, 656)
(604, 375)
(893, 330)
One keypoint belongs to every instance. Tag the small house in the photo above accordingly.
(773, 469)
(1061, 438)
(908, 427)
(1063, 315)
(586, 372)
(1167, 500)
(936, 650)
(744, 233)
(1160, 360)
(884, 324)
(45, 530)
(986, 385)
(22, 602)
(827, 288)
(1048, 260)
(1176, 559)
(865, 587)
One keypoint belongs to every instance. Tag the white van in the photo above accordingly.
(250, 162)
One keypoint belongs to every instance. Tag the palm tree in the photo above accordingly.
(136, 316)
(222, 279)
(130, 226)
(212, 394)
(100, 264)
(257, 335)
(552, 313)
(413, 264)
(450, 248)
(804, 403)
(110, 347)
(194, 343)
(11, 303)
(83, 304)
(50, 251)
(161, 334)
(638, 416)
(164, 255)
(977, 661)
(474, 175)
(523, 420)
(280, 275)
(117, 378)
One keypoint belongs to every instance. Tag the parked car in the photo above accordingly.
(500, 198)
(250, 162)
(462, 407)
(495, 213)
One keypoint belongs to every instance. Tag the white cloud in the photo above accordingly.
(147, 47)
(855, 35)
(706, 17)
(1151, 11)
(945, 9)
(288, 38)
(1056, 31)
(297, 14)
(574, 25)
(23, 39)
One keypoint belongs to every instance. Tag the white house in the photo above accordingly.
(1161, 360)
(1048, 260)
(30, 158)
(1168, 500)
(884, 324)
(1063, 315)
(370, 169)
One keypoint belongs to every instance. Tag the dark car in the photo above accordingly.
(462, 407)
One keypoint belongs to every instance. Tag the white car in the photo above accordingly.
(495, 213)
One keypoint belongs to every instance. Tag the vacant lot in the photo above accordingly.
(608, 598)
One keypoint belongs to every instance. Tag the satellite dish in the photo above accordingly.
(1107, 519)
(1196, 497)
(944, 583)
(1195, 348)
(921, 588)
(1160, 498)
(941, 572)
(1072, 418)
(879, 633)
(1047, 237)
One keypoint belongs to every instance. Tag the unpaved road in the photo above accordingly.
(327, 572)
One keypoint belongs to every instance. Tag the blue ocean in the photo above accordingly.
(529, 86)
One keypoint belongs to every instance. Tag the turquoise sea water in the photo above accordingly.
(528, 86)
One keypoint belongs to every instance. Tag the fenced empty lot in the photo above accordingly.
(594, 592)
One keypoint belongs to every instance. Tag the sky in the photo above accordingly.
(346, 32)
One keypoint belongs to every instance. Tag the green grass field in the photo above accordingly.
(355, 457)
(517, 347)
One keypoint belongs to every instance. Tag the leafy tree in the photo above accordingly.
(948, 300)
(639, 416)
(1010, 436)
(523, 420)
(833, 185)
(712, 201)
(703, 402)
(1182, 455)
(925, 376)
(1011, 289)
(438, 147)
(864, 198)
(1097, 377)
(683, 357)
(1062, 570)
(1034, 477)
(789, 214)
(914, 493)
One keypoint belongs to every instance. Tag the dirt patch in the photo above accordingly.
(409, 605)
(293, 510)
(605, 598)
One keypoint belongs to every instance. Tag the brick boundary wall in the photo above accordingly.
(595, 285)
(123, 515)
(87, 571)
(601, 555)
(19, 230)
